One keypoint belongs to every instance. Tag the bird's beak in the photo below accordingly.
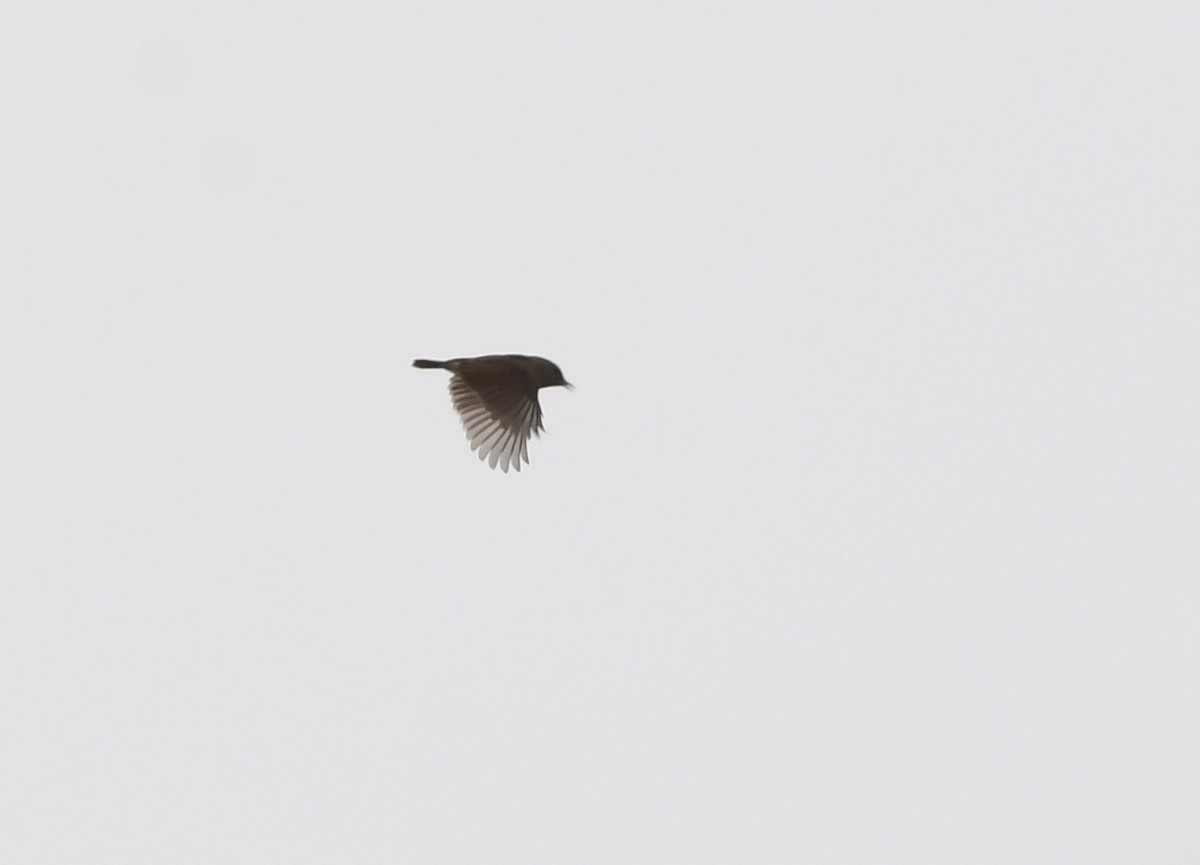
(568, 385)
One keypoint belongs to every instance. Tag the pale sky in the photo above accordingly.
(869, 535)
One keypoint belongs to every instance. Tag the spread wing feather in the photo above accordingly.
(498, 418)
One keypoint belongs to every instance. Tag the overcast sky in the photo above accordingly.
(869, 535)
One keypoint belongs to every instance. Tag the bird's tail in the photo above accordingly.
(431, 364)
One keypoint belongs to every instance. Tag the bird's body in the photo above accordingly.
(497, 398)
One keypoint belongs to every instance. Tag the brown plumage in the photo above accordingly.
(497, 398)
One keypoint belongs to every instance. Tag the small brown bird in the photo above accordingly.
(497, 398)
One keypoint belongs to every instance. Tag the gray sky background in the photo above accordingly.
(869, 535)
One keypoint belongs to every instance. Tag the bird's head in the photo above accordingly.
(547, 374)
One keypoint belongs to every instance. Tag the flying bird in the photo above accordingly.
(497, 398)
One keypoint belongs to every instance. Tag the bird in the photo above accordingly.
(496, 396)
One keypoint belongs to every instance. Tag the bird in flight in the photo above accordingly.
(497, 398)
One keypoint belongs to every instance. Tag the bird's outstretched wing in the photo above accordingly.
(499, 414)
